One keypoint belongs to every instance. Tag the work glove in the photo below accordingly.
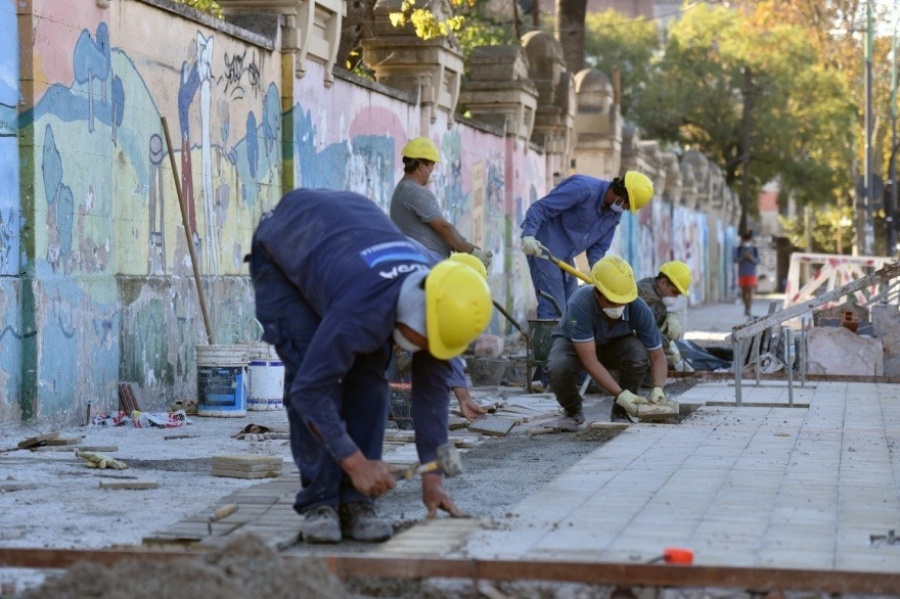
(484, 255)
(673, 356)
(630, 402)
(98, 460)
(531, 246)
(671, 328)
(657, 396)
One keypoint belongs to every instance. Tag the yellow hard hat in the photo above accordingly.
(639, 188)
(615, 280)
(470, 261)
(679, 273)
(458, 308)
(421, 147)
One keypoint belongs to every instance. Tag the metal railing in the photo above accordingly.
(755, 330)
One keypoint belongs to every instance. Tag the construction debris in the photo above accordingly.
(247, 466)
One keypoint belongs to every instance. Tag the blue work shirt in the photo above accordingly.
(348, 260)
(569, 219)
(584, 320)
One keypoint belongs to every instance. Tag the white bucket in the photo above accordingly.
(266, 371)
(221, 380)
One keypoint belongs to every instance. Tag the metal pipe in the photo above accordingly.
(789, 362)
(757, 341)
(738, 365)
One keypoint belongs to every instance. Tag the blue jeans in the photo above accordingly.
(626, 355)
(550, 278)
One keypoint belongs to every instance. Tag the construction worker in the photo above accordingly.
(580, 214)
(661, 294)
(335, 281)
(606, 326)
(416, 210)
(457, 382)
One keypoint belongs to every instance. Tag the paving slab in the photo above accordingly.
(757, 485)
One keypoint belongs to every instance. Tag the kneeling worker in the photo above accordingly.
(661, 294)
(606, 326)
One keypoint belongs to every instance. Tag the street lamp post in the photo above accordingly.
(869, 200)
(892, 209)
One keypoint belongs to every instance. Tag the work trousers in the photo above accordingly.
(289, 323)
(550, 279)
(626, 355)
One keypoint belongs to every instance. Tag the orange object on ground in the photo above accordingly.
(678, 555)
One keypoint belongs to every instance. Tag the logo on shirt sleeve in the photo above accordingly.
(394, 251)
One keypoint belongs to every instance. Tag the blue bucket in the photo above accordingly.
(221, 380)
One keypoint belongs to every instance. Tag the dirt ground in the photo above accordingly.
(498, 473)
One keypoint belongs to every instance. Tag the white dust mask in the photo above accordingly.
(405, 343)
(668, 302)
(614, 313)
(617, 207)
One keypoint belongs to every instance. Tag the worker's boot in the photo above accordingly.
(570, 423)
(360, 523)
(321, 525)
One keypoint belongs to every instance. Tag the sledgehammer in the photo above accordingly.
(447, 460)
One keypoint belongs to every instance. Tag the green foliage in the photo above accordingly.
(832, 230)
(715, 61)
(429, 21)
(208, 6)
(613, 42)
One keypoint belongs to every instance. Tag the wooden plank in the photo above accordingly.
(492, 425)
(65, 440)
(98, 448)
(133, 485)
(38, 440)
(228, 473)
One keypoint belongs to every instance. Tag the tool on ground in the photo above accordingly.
(222, 512)
(448, 461)
(675, 555)
(566, 266)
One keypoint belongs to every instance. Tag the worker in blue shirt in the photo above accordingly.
(335, 282)
(580, 214)
(606, 326)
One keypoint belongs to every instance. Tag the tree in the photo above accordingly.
(718, 63)
(208, 6)
(570, 18)
(614, 43)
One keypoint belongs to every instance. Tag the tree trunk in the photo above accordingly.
(354, 27)
(570, 31)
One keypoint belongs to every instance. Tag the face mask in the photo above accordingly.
(669, 301)
(614, 313)
(405, 343)
(617, 207)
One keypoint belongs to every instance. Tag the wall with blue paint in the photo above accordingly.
(11, 331)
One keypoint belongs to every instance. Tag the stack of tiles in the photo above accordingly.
(247, 466)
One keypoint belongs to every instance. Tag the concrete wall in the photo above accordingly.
(96, 276)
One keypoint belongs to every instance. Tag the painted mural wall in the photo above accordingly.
(110, 286)
(11, 330)
(96, 272)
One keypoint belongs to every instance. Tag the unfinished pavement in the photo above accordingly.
(756, 486)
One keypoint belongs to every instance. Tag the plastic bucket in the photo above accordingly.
(266, 372)
(221, 380)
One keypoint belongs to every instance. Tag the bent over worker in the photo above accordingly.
(580, 214)
(661, 294)
(606, 326)
(334, 282)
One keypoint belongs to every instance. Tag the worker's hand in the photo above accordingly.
(673, 356)
(436, 498)
(372, 478)
(630, 401)
(484, 255)
(531, 246)
(657, 396)
(671, 328)
(470, 409)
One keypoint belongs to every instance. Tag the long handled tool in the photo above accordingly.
(566, 266)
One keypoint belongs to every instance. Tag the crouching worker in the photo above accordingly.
(607, 327)
(661, 294)
(335, 283)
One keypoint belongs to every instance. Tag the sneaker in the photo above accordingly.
(360, 522)
(321, 525)
(570, 423)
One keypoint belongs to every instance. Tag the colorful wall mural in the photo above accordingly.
(97, 261)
